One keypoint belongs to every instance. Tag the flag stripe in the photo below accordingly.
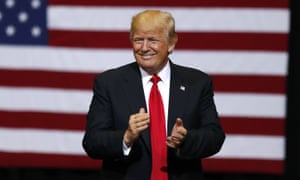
(252, 125)
(37, 160)
(71, 161)
(65, 80)
(77, 101)
(251, 105)
(248, 83)
(42, 120)
(58, 141)
(69, 142)
(232, 125)
(233, 165)
(188, 40)
(237, 146)
(177, 3)
(33, 99)
(117, 19)
(84, 81)
(96, 60)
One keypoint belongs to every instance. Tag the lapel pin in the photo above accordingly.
(182, 88)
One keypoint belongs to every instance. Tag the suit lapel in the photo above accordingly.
(133, 88)
(177, 100)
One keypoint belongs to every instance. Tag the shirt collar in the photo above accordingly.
(164, 74)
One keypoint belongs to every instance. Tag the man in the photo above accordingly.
(121, 119)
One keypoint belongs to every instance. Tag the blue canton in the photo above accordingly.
(23, 22)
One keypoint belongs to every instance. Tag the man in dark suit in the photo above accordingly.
(119, 125)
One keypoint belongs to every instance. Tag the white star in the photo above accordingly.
(10, 30)
(23, 17)
(10, 3)
(36, 31)
(35, 4)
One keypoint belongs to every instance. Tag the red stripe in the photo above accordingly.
(72, 80)
(41, 120)
(84, 162)
(9, 159)
(176, 3)
(53, 79)
(232, 125)
(253, 126)
(187, 40)
(244, 166)
(250, 83)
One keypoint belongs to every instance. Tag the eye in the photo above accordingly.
(138, 40)
(153, 40)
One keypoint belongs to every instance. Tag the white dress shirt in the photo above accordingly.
(164, 88)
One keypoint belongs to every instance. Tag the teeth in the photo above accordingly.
(147, 56)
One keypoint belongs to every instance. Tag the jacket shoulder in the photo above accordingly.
(118, 72)
(190, 73)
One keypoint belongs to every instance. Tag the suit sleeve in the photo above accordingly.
(100, 141)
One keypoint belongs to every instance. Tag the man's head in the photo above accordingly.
(153, 38)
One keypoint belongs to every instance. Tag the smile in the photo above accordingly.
(147, 56)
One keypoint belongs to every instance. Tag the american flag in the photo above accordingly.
(51, 50)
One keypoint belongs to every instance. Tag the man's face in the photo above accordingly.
(151, 50)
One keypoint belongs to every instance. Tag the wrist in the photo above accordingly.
(126, 140)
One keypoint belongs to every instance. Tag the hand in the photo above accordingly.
(137, 123)
(178, 134)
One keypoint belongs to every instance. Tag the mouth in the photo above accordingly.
(146, 56)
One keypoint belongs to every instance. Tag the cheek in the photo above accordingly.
(135, 46)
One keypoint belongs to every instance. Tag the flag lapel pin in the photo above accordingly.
(182, 88)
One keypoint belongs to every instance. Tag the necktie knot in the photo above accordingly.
(155, 78)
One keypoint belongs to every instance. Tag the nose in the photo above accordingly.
(145, 45)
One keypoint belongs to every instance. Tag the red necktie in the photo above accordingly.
(157, 133)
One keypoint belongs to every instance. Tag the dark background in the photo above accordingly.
(292, 162)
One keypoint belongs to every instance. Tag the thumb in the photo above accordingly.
(142, 110)
(179, 122)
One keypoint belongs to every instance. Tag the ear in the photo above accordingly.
(172, 44)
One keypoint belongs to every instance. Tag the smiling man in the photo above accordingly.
(152, 119)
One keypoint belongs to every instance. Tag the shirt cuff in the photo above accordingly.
(126, 149)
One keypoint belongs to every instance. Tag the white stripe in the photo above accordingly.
(69, 142)
(44, 100)
(96, 60)
(41, 141)
(234, 62)
(77, 101)
(252, 147)
(251, 104)
(187, 19)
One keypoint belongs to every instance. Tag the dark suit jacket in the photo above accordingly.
(118, 93)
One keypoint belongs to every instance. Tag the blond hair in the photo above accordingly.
(154, 20)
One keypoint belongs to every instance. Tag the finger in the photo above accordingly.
(142, 124)
(142, 110)
(142, 115)
(173, 143)
(170, 143)
(179, 122)
(177, 137)
(181, 130)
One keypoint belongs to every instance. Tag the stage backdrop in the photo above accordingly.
(51, 50)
